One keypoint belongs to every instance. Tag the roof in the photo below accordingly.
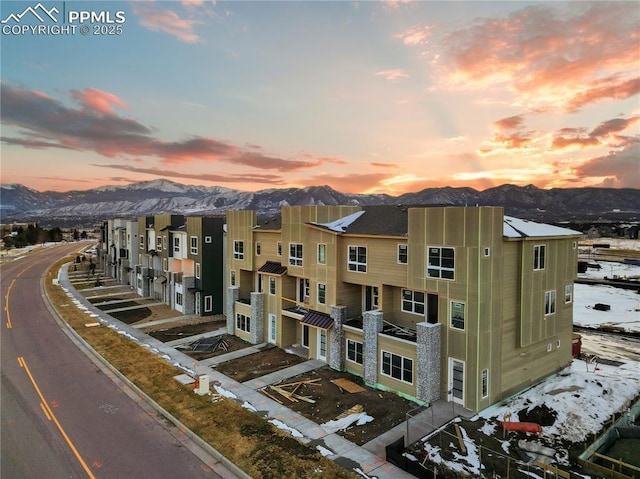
(269, 223)
(317, 319)
(517, 228)
(272, 267)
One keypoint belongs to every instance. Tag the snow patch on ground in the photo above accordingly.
(224, 392)
(284, 427)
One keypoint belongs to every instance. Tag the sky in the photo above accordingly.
(366, 97)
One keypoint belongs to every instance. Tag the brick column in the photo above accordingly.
(336, 338)
(233, 294)
(428, 367)
(372, 325)
(257, 318)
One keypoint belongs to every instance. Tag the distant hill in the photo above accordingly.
(19, 203)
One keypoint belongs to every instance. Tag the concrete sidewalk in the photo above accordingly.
(370, 458)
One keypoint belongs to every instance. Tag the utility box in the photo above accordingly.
(202, 384)
(576, 345)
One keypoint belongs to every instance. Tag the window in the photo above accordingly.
(238, 249)
(279, 248)
(307, 289)
(487, 252)
(158, 243)
(232, 278)
(412, 301)
(485, 383)
(322, 254)
(557, 343)
(272, 285)
(141, 242)
(403, 254)
(295, 254)
(176, 244)
(165, 264)
(164, 242)
(397, 367)
(322, 292)
(243, 323)
(457, 315)
(549, 347)
(549, 302)
(568, 293)
(198, 270)
(357, 260)
(305, 335)
(539, 256)
(440, 262)
(179, 299)
(194, 245)
(208, 239)
(354, 351)
(208, 304)
(258, 248)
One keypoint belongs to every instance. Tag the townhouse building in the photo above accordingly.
(120, 260)
(459, 303)
(181, 262)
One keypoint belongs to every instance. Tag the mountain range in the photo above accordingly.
(19, 203)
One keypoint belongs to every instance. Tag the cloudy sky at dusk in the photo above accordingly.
(390, 96)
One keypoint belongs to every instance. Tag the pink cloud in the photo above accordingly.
(550, 58)
(97, 100)
(415, 36)
(166, 21)
(509, 123)
(618, 169)
(393, 74)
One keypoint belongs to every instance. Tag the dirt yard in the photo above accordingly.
(258, 364)
(331, 400)
(184, 331)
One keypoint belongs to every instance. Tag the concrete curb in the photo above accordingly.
(103, 364)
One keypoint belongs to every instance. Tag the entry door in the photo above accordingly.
(322, 344)
(197, 300)
(456, 380)
(272, 328)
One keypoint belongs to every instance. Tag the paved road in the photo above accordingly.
(61, 416)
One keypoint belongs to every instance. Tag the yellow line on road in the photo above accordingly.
(6, 305)
(50, 414)
(45, 411)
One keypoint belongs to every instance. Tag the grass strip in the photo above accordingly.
(250, 442)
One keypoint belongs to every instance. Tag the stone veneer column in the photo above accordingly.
(336, 338)
(188, 298)
(428, 367)
(257, 318)
(372, 325)
(233, 295)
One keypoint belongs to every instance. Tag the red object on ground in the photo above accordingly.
(576, 345)
(522, 426)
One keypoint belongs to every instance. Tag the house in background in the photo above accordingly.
(458, 303)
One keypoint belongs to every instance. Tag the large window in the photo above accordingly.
(179, 299)
(457, 315)
(539, 256)
(322, 293)
(322, 254)
(357, 260)
(354, 351)
(194, 245)
(158, 243)
(549, 302)
(238, 249)
(412, 301)
(441, 262)
(295, 254)
(176, 244)
(243, 323)
(403, 254)
(397, 367)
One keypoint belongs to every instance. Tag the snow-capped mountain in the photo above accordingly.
(18, 202)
